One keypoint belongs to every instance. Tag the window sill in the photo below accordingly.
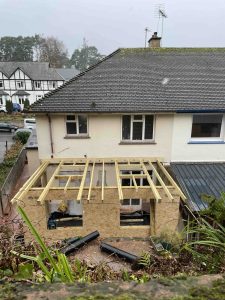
(78, 137)
(206, 142)
(137, 143)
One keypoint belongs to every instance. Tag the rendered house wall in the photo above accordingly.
(104, 138)
(182, 150)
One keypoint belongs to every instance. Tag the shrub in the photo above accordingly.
(9, 106)
(23, 136)
(26, 104)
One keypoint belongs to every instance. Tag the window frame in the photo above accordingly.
(37, 84)
(1, 84)
(18, 83)
(78, 134)
(208, 139)
(51, 83)
(143, 140)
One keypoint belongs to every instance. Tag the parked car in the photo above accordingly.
(2, 109)
(17, 107)
(30, 123)
(8, 127)
(21, 130)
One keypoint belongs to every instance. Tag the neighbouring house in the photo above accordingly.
(110, 139)
(30, 80)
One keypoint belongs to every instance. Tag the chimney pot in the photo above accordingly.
(154, 41)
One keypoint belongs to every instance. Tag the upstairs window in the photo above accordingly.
(137, 127)
(20, 84)
(76, 125)
(1, 84)
(207, 126)
(52, 84)
(37, 85)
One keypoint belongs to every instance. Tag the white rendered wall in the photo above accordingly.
(183, 151)
(105, 138)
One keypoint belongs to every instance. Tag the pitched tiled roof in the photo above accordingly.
(35, 70)
(198, 179)
(145, 80)
(67, 73)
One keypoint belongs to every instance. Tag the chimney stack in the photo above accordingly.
(154, 41)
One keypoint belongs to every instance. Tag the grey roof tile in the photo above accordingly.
(145, 80)
(35, 70)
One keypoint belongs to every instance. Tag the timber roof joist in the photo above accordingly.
(81, 174)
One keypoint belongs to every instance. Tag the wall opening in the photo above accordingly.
(134, 212)
(67, 213)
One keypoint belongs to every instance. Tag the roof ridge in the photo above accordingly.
(75, 78)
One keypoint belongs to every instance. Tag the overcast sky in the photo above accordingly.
(110, 24)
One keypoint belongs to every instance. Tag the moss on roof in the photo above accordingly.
(124, 51)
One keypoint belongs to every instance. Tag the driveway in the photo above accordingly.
(5, 136)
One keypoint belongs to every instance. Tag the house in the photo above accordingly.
(105, 152)
(30, 80)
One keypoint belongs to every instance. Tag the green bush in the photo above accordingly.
(9, 106)
(23, 136)
(26, 104)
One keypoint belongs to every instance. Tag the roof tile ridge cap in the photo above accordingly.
(76, 77)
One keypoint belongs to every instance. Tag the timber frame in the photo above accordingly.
(100, 187)
(89, 164)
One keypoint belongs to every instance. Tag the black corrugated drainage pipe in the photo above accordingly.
(81, 242)
(120, 253)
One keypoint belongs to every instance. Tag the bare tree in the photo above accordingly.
(54, 51)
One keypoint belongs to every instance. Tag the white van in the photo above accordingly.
(30, 123)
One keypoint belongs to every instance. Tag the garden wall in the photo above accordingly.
(11, 181)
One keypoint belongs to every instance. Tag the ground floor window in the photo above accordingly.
(67, 213)
(134, 212)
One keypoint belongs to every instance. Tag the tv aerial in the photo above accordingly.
(160, 13)
(146, 35)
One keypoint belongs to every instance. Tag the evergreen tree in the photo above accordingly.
(85, 57)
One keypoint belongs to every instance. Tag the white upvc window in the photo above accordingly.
(52, 85)
(37, 85)
(38, 97)
(1, 84)
(137, 127)
(131, 202)
(20, 84)
(207, 127)
(76, 125)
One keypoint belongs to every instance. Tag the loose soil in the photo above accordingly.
(93, 256)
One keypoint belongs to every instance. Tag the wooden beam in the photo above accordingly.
(79, 196)
(118, 181)
(166, 190)
(30, 182)
(171, 180)
(103, 179)
(151, 183)
(131, 175)
(67, 176)
(67, 184)
(91, 181)
(48, 186)
(135, 183)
